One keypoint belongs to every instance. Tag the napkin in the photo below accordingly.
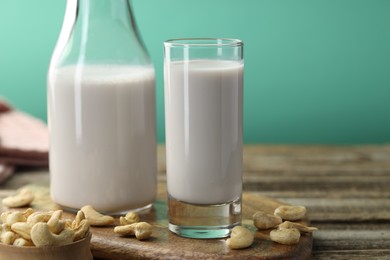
(24, 140)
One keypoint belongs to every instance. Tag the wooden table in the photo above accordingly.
(345, 188)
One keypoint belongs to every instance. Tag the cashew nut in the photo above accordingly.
(23, 229)
(5, 227)
(80, 225)
(126, 230)
(22, 242)
(39, 217)
(68, 223)
(285, 236)
(290, 212)
(95, 218)
(27, 212)
(240, 237)
(130, 218)
(81, 230)
(56, 225)
(300, 227)
(141, 230)
(41, 236)
(262, 220)
(14, 217)
(21, 199)
(79, 217)
(8, 237)
(4, 216)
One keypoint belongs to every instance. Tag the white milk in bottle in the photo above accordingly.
(102, 136)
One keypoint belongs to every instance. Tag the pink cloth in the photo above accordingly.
(5, 172)
(23, 141)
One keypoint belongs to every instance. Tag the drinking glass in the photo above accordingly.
(203, 119)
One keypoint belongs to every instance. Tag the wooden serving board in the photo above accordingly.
(163, 244)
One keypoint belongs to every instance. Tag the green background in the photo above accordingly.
(315, 71)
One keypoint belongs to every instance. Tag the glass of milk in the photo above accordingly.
(203, 119)
(101, 111)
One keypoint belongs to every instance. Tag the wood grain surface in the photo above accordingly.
(163, 244)
(345, 188)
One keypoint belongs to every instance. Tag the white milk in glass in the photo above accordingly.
(103, 140)
(204, 130)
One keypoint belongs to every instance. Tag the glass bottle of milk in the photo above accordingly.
(101, 110)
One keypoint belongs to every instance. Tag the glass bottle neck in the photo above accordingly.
(99, 32)
(103, 11)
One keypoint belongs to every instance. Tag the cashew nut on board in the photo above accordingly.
(240, 237)
(300, 227)
(23, 198)
(95, 218)
(130, 218)
(140, 230)
(285, 236)
(291, 213)
(262, 220)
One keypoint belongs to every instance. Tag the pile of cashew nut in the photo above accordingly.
(287, 232)
(37, 228)
(30, 228)
(130, 224)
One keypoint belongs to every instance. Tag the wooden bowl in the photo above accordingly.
(79, 250)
